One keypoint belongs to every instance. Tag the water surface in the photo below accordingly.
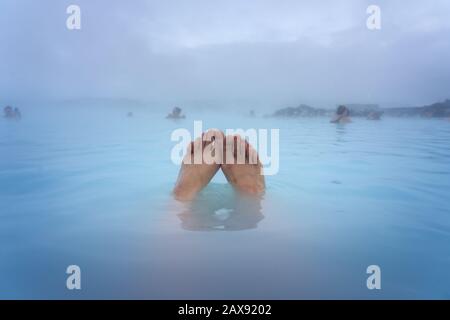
(92, 188)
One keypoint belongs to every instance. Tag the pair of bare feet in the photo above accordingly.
(212, 151)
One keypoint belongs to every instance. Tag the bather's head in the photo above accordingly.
(176, 111)
(342, 111)
(8, 111)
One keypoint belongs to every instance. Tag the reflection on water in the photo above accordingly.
(219, 208)
(341, 130)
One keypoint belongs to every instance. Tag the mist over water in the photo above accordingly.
(91, 187)
(250, 52)
(82, 183)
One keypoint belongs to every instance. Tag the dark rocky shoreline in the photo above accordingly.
(435, 110)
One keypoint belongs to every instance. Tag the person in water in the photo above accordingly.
(10, 113)
(212, 151)
(342, 115)
(17, 113)
(176, 114)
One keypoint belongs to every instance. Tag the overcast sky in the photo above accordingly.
(271, 52)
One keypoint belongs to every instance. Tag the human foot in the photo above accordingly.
(198, 165)
(245, 171)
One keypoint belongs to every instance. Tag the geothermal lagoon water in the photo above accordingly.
(92, 188)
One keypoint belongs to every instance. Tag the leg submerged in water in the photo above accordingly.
(196, 170)
(245, 174)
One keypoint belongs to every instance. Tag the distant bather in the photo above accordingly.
(10, 113)
(17, 113)
(176, 114)
(342, 115)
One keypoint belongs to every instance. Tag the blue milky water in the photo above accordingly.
(91, 187)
